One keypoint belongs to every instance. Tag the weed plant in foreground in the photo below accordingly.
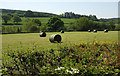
(90, 58)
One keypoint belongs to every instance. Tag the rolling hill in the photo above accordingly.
(22, 12)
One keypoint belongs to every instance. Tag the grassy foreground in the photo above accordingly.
(28, 40)
(85, 59)
(79, 53)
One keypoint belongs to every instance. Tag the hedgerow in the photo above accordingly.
(95, 58)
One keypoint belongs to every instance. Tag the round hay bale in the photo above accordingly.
(89, 30)
(94, 30)
(42, 34)
(106, 30)
(62, 31)
(55, 38)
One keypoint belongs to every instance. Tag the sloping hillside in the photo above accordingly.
(21, 13)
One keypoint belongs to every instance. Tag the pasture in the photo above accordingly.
(28, 40)
(43, 20)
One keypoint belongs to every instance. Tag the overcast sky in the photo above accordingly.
(100, 8)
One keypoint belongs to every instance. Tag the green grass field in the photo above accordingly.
(43, 20)
(28, 40)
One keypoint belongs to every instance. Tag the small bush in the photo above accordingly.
(31, 27)
(11, 29)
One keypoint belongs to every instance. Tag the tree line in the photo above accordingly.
(55, 24)
(73, 15)
(82, 23)
(8, 17)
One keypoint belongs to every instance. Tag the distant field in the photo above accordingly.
(44, 20)
(28, 40)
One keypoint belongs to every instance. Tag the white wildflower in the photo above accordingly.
(59, 68)
(73, 71)
(69, 71)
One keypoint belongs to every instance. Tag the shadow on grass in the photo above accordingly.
(56, 42)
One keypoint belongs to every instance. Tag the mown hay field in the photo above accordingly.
(28, 40)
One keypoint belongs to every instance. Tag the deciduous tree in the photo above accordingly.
(55, 24)
(29, 13)
(6, 18)
(37, 21)
(83, 24)
(16, 19)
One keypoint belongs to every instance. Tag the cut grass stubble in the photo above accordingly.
(29, 40)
